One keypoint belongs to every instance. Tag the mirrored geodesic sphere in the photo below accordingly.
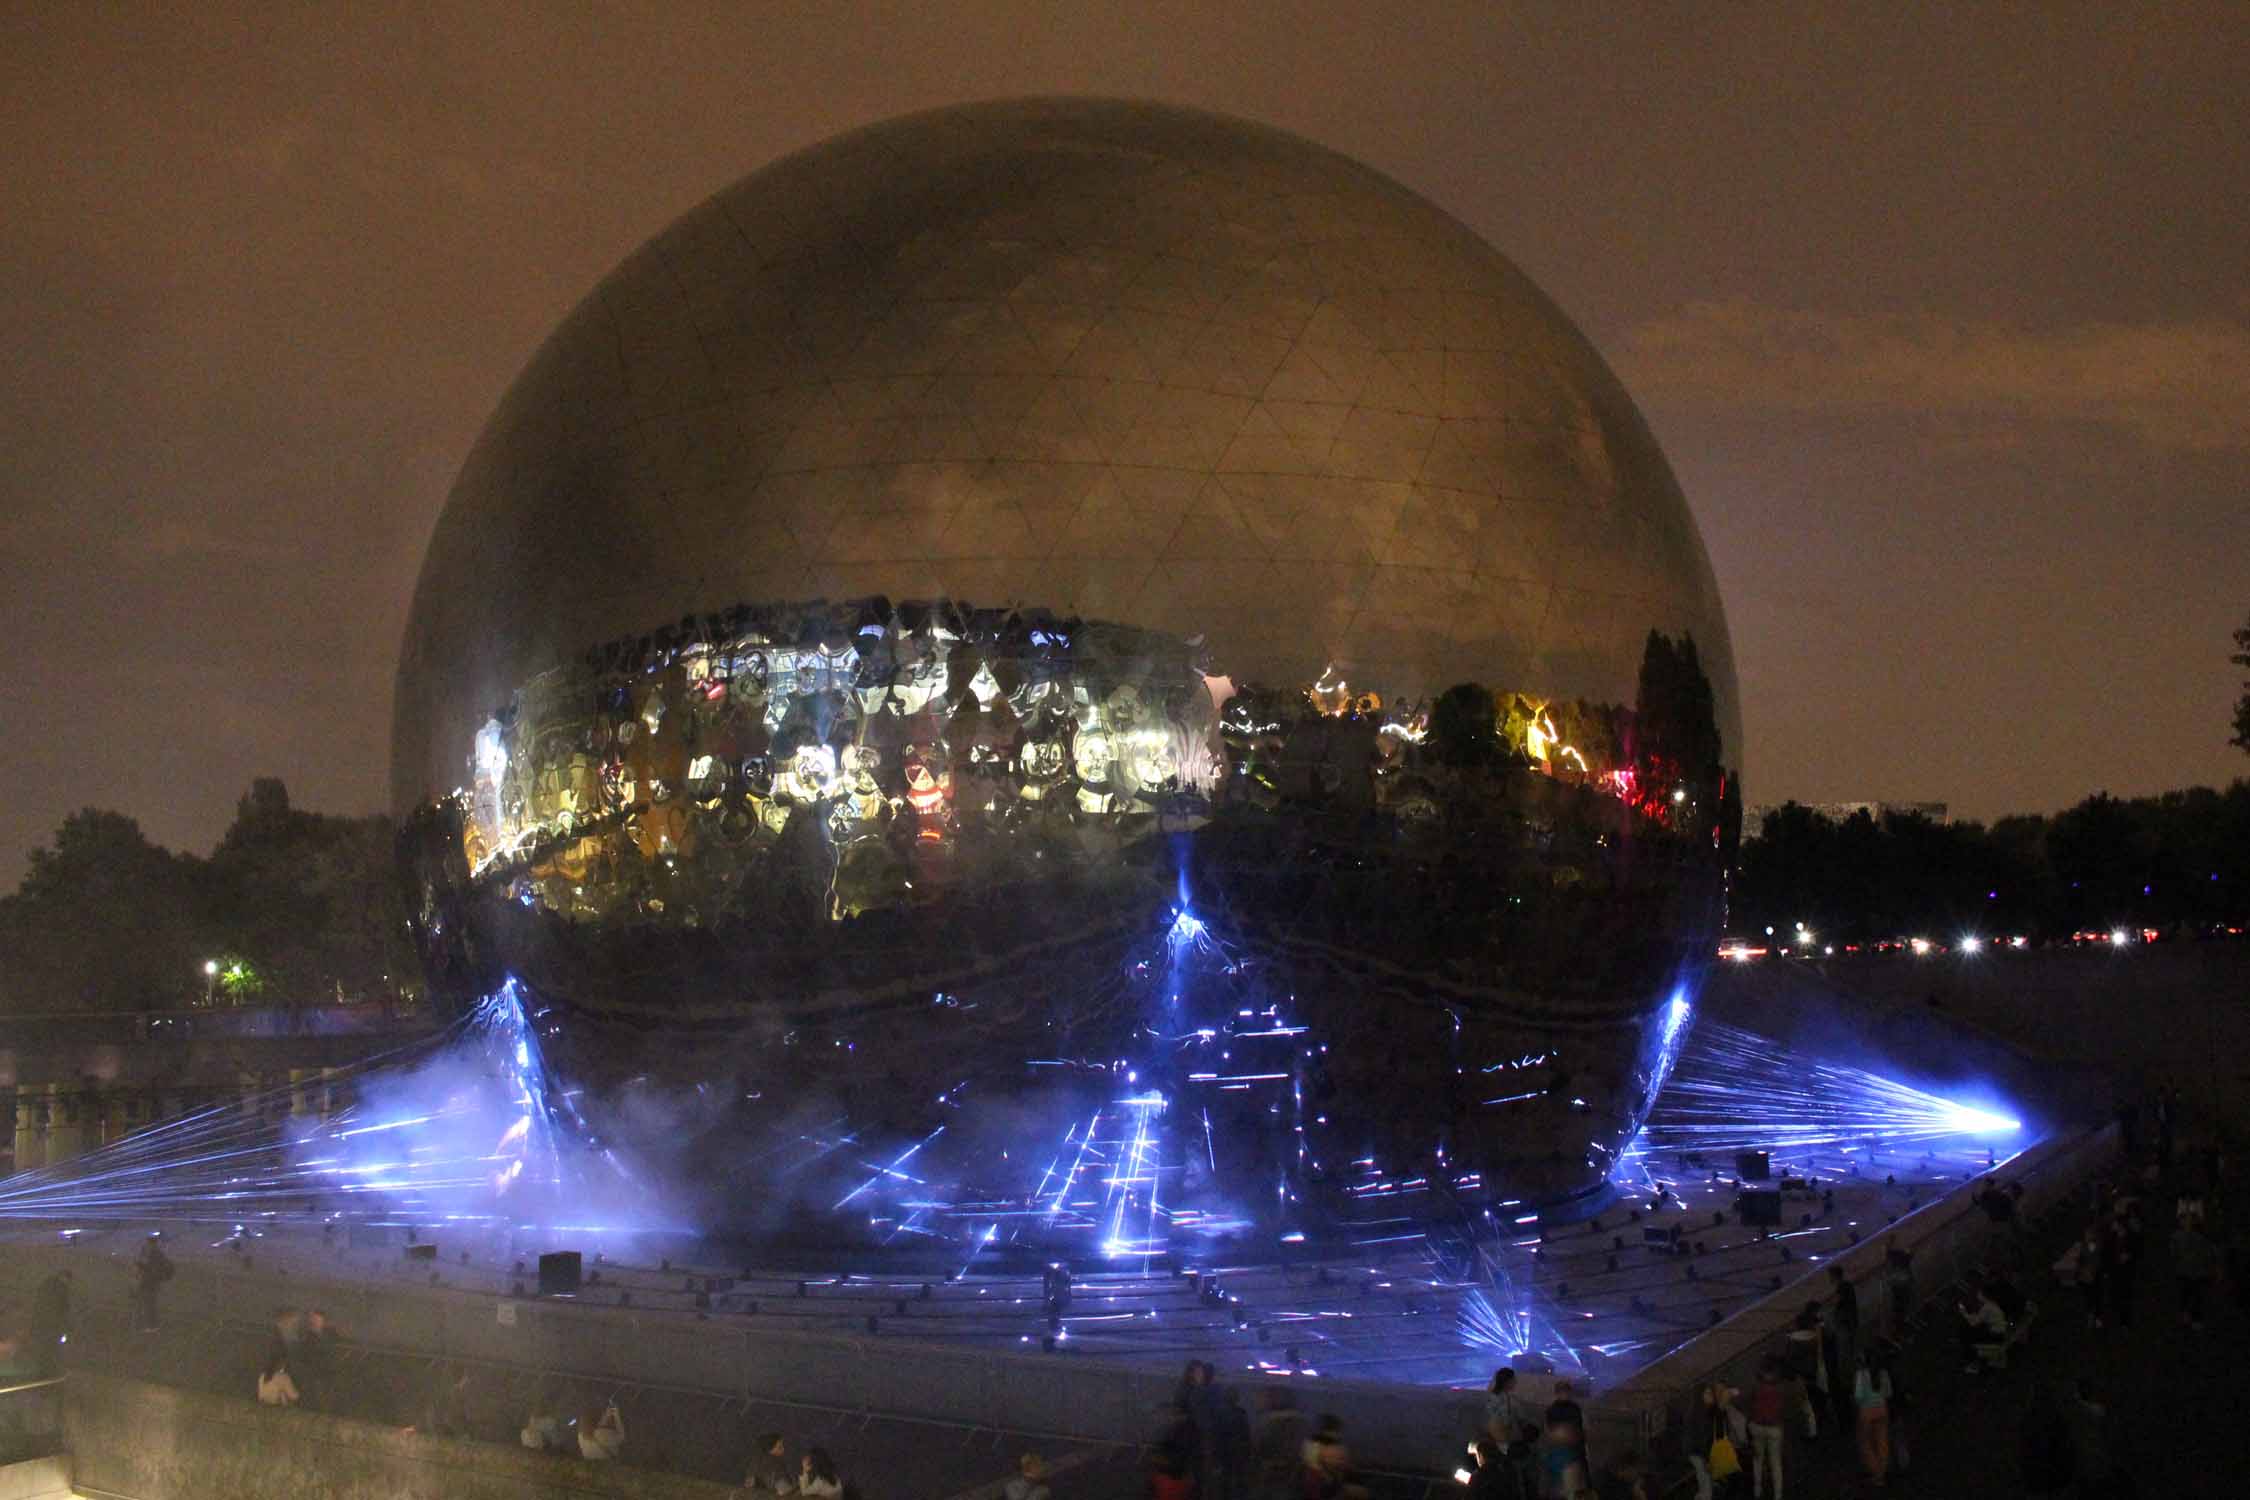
(1076, 669)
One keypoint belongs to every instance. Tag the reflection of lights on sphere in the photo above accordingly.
(955, 553)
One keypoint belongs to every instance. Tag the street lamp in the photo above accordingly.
(210, 979)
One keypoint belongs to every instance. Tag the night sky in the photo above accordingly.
(1944, 321)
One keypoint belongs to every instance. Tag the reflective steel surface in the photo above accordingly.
(1069, 668)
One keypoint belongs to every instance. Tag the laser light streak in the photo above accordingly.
(1738, 1089)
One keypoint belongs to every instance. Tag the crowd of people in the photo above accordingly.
(1838, 1373)
(1209, 1447)
(2104, 1263)
(1528, 1452)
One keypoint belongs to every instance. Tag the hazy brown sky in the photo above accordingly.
(1942, 314)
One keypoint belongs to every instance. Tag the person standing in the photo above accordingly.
(1807, 1364)
(1565, 1413)
(1840, 1343)
(50, 1323)
(1200, 1400)
(2086, 1273)
(1706, 1424)
(151, 1269)
(314, 1362)
(1227, 1441)
(1513, 1427)
(2049, 1455)
(2121, 1263)
(1901, 1403)
(1871, 1394)
(2089, 1425)
(1768, 1409)
(1898, 1286)
(1174, 1456)
(2195, 1261)
(2167, 1125)
(1279, 1441)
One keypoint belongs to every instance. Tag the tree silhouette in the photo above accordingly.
(2241, 658)
(1465, 726)
(2179, 862)
(293, 907)
(104, 920)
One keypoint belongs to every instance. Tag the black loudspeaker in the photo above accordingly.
(421, 1252)
(1760, 1208)
(1753, 1166)
(559, 1273)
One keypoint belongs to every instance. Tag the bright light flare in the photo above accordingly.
(1971, 1121)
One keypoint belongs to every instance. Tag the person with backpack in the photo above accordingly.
(1716, 1439)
